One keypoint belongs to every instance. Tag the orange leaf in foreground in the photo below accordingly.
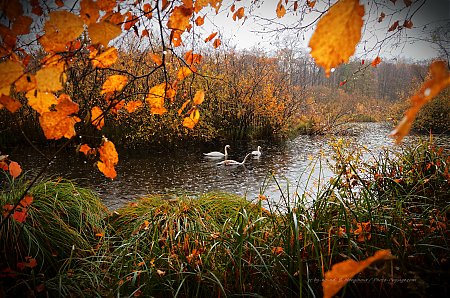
(199, 21)
(217, 43)
(97, 117)
(156, 97)
(211, 36)
(59, 123)
(41, 101)
(156, 58)
(199, 97)
(376, 61)
(50, 78)
(281, 11)
(342, 272)
(10, 71)
(89, 11)
(9, 103)
(105, 59)
(192, 120)
(114, 83)
(85, 149)
(180, 18)
(61, 28)
(183, 72)
(337, 34)
(103, 32)
(438, 81)
(133, 106)
(109, 158)
(14, 169)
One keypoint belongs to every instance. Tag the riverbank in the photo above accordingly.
(218, 244)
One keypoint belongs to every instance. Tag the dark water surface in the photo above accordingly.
(145, 172)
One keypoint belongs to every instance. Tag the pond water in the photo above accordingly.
(144, 172)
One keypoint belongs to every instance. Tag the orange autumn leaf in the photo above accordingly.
(192, 120)
(59, 3)
(199, 21)
(130, 21)
(41, 101)
(85, 149)
(145, 33)
(200, 4)
(439, 80)
(281, 11)
(375, 62)
(363, 231)
(14, 169)
(59, 123)
(408, 24)
(114, 83)
(89, 11)
(9, 103)
(155, 99)
(156, 58)
(105, 59)
(311, 3)
(192, 58)
(183, 72)
(132, 106)
(211, 36)
(180, 111)
(109, 158)
(180, 18)
(393, 26)
(342, 272)
(216, 43)
(103, 32)
(10, 71)
(239, 14)
(277, 250)
(337, 34)
(61, 28)
(106, 5)
(147, 8)
(295, 5)
(97, 117)
(175, 38)
(199, 97)
(50, 78)
(26, 83)
(381, 17)
(21, 25)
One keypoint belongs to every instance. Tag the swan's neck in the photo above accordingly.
(226, 152)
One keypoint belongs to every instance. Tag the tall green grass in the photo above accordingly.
(220, 245)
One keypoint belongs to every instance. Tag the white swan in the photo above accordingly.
(217, 153)
(230, 162)
(257, 152)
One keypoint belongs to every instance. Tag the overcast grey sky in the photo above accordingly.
(409, 43)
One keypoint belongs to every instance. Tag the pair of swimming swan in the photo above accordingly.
(230, 162)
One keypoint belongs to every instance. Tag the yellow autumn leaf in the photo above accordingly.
(192, 120)
(155, 99)
(89, 11)
(103, 32)
(183, 72)
(132, 106)
(342, 272)
(10, 71)
(41, 101)
(105, 59)
(438, 81)
(199, 97)
(61, 28)
(26, 83)
(108, 159)
(60, 122)
(337, 34)
(50, 78)
(114, 83)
